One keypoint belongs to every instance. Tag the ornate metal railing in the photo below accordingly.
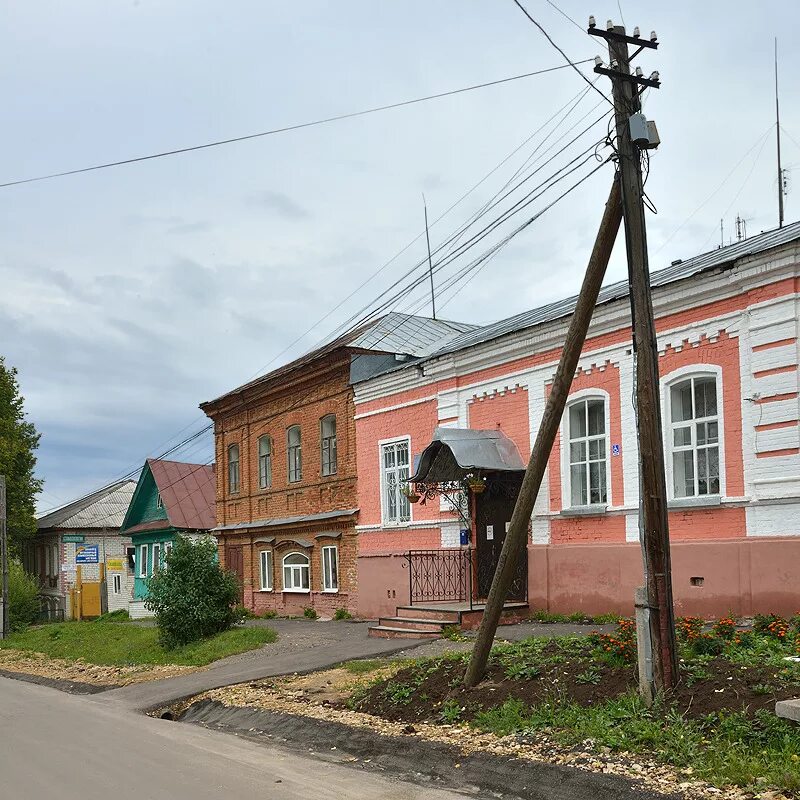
(440, 576)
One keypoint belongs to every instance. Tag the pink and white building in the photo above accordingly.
(727, 324)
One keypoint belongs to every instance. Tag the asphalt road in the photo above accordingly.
(60, 745)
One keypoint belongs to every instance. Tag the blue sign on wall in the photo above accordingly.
(87, 554)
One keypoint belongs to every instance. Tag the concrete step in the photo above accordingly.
(438, 615)
(390, 632)
(411, 623)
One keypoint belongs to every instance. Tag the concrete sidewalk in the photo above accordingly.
(302, 646)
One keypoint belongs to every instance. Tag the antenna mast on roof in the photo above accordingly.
(430, 263)
(781, 190)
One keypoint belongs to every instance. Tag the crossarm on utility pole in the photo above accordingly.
(551, 419)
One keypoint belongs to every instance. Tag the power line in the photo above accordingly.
(350, 323)
(716, 191)
(470, 268)
(565, 15)
(286, 128)
(549, 39)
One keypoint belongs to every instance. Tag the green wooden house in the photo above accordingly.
(171, 498)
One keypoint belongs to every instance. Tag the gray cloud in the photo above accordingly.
(280, 204)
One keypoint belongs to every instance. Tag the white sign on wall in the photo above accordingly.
(489, 533)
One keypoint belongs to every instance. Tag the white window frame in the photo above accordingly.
(155, 555)
(116, 583)
(142, 552)
(328, 572)
(667, 383)
(384, 443)
(296, 568)
(265, 567)
(582, 396)
(159, 501)
(264, 475)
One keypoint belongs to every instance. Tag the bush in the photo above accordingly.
(23, 597)
(342, 613)
(269, 614)
(310, 613)
(120, 615)
(192, 596)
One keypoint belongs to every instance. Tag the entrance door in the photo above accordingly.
(234, 562)
(493, 509)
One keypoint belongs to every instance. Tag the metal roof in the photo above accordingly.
(394, 333)
(456, 451)
(408, 334)
(102, 509)
(679, 270)
(278, 521)
(188, 492)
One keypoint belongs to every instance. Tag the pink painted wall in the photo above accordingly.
(745, 576)
(508, 412)
(382, 584)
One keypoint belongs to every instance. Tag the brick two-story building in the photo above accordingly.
(287, 495)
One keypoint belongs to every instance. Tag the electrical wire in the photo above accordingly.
(565, 15)
(549, 39)
(285, 128)
(473, 267)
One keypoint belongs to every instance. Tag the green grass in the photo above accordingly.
(124, 644)
(724, 748)
(364, 666)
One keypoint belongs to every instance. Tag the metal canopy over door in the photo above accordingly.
(493, 509)
(234, 562)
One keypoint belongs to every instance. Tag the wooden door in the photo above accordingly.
(493, 509)
(234, 562)
(90, 600)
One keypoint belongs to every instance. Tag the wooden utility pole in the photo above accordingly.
(654, 524)
(4, 626)
(516, 537)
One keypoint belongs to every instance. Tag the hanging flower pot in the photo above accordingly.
(409, 490)
(475, 483)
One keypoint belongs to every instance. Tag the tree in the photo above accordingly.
(192, 596)
(23, 597)
(18, 443)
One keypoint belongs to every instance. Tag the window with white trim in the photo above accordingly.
(159, 501)
(294, 453)
(327, 438)
(694, 437)
(264, 462)
(330, 568)
(296, 573)
(116, 584)
(141, 566)
(233, 468)
(265, 561)
(394, 473)
(156, 557)
(588, 456)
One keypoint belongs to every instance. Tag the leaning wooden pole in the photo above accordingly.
(518, 530)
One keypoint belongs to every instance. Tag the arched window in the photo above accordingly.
(233, 468)
(296, 573)
(588, 457)
(265, 462)
(327, 432)
(694, 436)
(294, 454)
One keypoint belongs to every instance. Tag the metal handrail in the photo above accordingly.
(443, 575)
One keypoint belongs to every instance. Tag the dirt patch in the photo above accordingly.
(417, 693)
(61, 671)
(415, 759)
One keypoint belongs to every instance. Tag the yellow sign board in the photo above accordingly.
(115, 564)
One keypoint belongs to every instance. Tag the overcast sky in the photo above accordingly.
(130, 295)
